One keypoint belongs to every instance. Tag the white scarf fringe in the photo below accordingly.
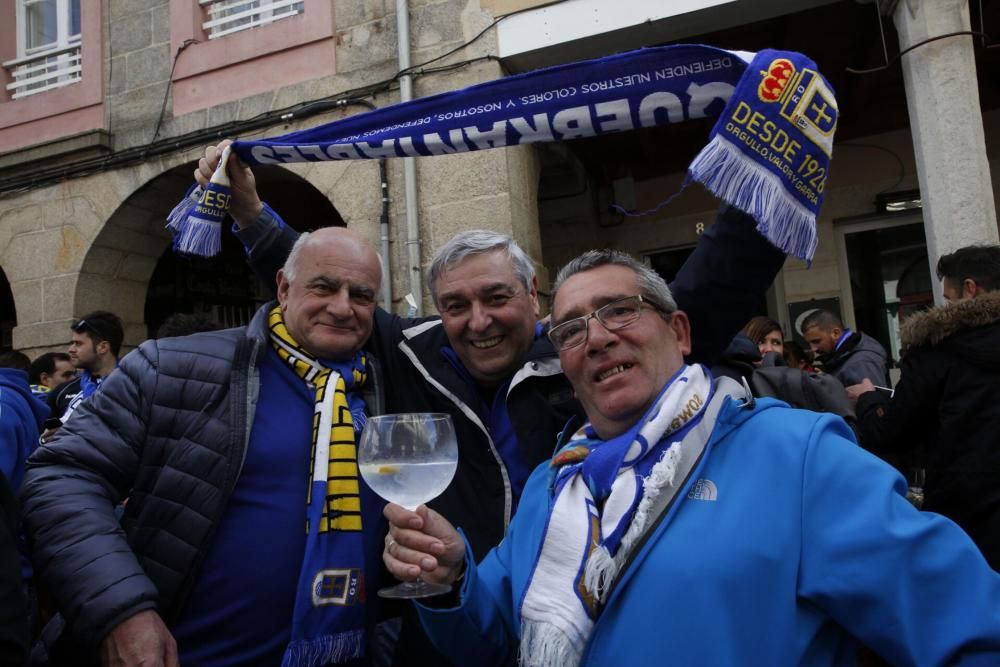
(546, 646)
(751, 187)
(555, 623)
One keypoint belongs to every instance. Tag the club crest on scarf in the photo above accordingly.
(343, 587)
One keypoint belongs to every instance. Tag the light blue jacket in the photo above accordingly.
(787, 539)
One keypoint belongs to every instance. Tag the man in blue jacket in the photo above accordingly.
(685, 522)
(21, 416)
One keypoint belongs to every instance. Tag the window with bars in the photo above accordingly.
(48, 47)
(223, 17)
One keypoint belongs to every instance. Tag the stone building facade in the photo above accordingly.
(93, 240)
(89, 170)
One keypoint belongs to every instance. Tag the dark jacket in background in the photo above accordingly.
(60, 397)
(14, 633)
(949, 397)
(860, 356)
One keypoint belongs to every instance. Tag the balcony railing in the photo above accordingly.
(39, 72)
(229, 16)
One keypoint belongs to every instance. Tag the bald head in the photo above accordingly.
(327, 292)
(337, 236)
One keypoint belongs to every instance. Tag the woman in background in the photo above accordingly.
(766, 334)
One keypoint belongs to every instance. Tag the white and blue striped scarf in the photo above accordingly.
(603, 492)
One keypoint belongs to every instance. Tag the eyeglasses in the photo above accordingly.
(613, 316)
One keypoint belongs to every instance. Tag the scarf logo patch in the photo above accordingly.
(342, 587)
(811, 106)
(775, 80)
(704, 489)
(689, 410)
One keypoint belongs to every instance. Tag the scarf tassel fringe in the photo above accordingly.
(544, 645)
(324, 650)
(600, 571)
(734, 177)
(193, 234)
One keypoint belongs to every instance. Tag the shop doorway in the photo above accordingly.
(890, 275)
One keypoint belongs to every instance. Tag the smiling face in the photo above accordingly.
(773, 341)
(488, 315)
(329, 304)
(617, 375)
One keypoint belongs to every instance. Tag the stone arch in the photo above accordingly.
(133, 247)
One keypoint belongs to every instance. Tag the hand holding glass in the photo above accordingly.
(409, 459)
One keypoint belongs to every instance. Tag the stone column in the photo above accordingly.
(947, 126)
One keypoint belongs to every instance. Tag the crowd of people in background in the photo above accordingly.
(635, 447)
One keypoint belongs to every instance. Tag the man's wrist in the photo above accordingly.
(453, 597)
(245, 216)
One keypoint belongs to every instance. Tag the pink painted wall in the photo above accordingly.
(242, 64)
(56, 113)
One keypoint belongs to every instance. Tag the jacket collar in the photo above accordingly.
(930, 327)
(258, 325)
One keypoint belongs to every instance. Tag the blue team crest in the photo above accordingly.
(342, 587)
(810, 104)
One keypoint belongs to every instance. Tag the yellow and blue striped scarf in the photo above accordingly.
(328, 624)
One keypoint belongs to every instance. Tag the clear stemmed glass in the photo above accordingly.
(408, 459)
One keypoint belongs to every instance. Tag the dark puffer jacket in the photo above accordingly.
(14, 634)
(947, 398)
(857, 358)
(169, 430)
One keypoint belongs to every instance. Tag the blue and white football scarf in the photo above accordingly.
(604, 494)
(328, 621)
(88, 385)
(768, 154)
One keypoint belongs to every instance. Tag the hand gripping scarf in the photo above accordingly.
(768, 154)
(602, 496)
(328, 623)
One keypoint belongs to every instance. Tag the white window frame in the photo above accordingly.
(43, 68)
(224, 17)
